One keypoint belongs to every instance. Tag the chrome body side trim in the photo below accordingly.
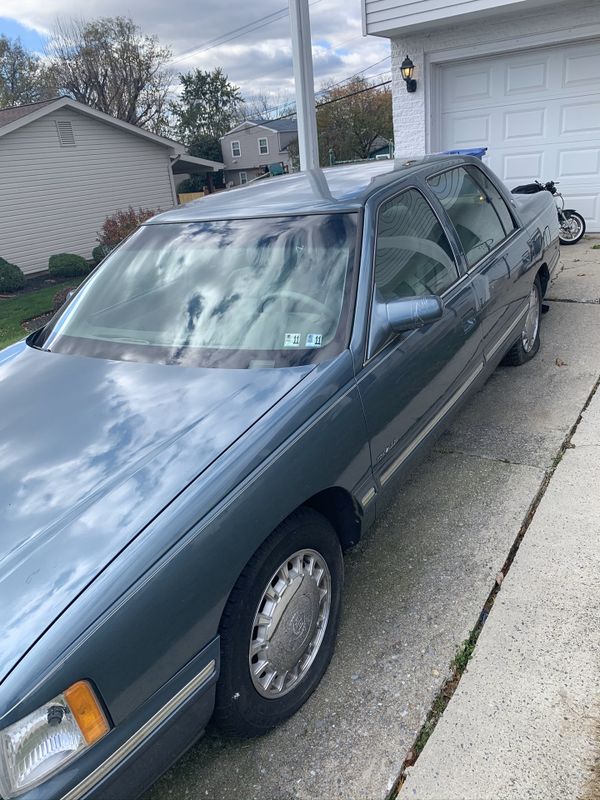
(368, 497)
(388, 473)
(147, 728)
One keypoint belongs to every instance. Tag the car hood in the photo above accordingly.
(90, 451)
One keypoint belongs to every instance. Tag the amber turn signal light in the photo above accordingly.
(87, 712)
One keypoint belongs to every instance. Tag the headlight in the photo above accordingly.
(40, 744)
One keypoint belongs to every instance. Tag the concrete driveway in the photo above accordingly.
(417, 583)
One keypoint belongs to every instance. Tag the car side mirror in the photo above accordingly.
(399, 316)
(414, 312)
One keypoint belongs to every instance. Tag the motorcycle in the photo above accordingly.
(572, 224)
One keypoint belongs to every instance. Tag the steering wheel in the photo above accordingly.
(302, 298)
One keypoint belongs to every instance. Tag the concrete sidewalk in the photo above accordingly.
(524, 721)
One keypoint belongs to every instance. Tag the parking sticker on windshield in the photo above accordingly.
(314, 340)
(291, 340)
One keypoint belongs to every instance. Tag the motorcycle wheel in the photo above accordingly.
(572, 228)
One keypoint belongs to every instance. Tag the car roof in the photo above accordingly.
(335, 189)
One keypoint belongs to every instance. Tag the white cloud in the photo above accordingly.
(258, 61)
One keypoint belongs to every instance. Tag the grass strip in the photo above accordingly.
(14, 311)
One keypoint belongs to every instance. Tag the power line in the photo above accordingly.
(265, 123)
(237, 33)
(352, 94)
(354, 75)
(249, 27)
(347, 41)
(333, 86)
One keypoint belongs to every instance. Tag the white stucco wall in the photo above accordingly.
(413, 113)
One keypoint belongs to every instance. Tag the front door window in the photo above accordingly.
(413, 255)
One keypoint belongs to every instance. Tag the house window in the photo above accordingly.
(243, 178)
(64, 129)
(263, 147)
(236, 150)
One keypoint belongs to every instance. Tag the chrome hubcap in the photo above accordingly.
(532, 320)
(570, 228)
(290, 623)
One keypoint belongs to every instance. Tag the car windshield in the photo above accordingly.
(234, 293)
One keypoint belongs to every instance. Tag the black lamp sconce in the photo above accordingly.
(407, 69)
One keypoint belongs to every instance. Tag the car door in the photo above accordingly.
(495, 249)
(410, 383)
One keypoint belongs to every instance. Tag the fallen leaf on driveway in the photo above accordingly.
(560, 363)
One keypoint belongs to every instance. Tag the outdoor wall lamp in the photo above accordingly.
(407, 69)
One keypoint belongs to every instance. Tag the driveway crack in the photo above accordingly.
(459, 664)
(451, 451)
(569, 300)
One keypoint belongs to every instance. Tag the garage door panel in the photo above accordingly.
(582, 70)
(580, 118)
(524, 124)
(524, 78)
(579, 163)
(468, 86)
(538, 112)
(468, 129)
(522, 167)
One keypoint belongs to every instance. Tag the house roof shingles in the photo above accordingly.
(8, 115)
(281, 125)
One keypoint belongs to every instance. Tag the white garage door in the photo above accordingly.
(539, 115)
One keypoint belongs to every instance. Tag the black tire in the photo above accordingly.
(579, 229)
(522, 352)
(240, 708)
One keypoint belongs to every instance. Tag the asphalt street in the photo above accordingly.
(416, 585)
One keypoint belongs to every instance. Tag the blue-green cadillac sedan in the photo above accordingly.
(223, 408)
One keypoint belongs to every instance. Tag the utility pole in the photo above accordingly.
(305, 85)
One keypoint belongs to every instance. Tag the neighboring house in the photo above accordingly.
(381, 148)
(251, 147)
(64, 167)
(521, 77)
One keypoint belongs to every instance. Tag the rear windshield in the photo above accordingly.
(235, 293)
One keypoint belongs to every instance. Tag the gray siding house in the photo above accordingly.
(251, 147)
(65, 167)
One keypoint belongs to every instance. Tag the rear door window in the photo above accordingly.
(495, 198)
(471, 211)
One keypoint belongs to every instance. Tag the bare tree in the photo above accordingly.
(265, 106)
(107, 63)
(23, 77)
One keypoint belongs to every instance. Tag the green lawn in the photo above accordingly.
(14, 311)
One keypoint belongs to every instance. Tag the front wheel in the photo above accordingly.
(529, 341)
(572, 228)
(279, 625)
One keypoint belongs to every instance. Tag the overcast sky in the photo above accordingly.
(258, 60)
